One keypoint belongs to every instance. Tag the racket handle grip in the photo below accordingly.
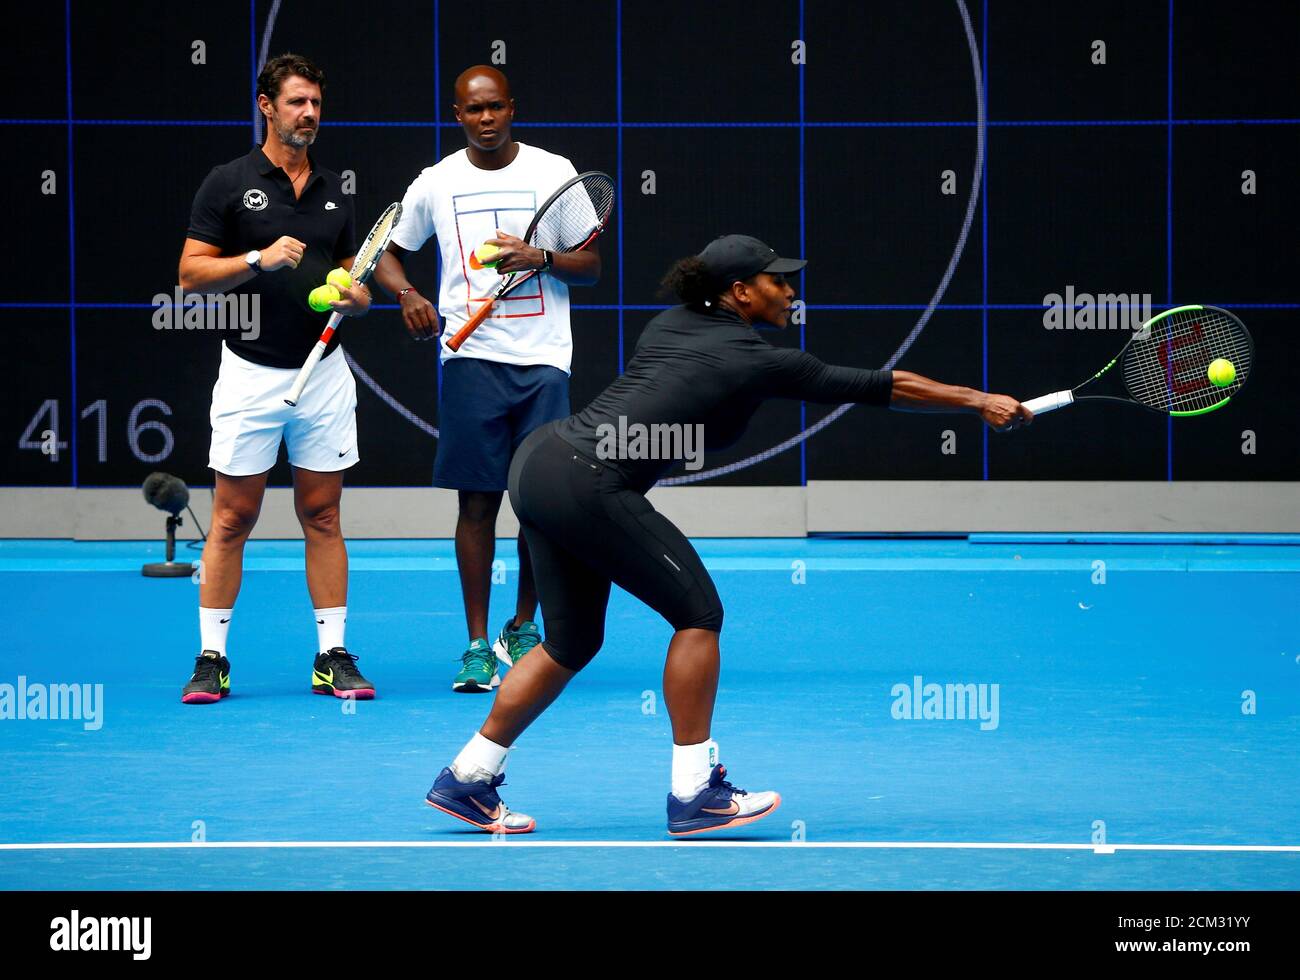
(1049, 403)
(301, 381)
(463, 333)
(461, 336)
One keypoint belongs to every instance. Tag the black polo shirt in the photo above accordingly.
(249, 203)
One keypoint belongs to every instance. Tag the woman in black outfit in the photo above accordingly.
(588, 524)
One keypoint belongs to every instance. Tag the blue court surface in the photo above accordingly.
(1135, 702)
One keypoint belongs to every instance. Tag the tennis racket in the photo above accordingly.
(1165, 365)
(568, 221)
(362, 266)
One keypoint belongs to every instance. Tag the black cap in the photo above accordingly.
(734, 257)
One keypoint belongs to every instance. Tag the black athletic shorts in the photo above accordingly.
(585, 529)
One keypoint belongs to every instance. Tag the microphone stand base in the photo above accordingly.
(167, 569)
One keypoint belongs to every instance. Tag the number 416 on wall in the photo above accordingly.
(42, 432)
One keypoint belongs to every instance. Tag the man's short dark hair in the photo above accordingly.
(275, 71)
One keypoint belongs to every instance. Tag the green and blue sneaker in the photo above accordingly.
(478, 672)
(515, 641)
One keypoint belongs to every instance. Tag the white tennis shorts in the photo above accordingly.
(249, 417)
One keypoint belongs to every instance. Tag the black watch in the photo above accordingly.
(548, 259)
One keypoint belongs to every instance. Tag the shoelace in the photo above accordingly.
(522, 641)
(734, 790)
(344, 661)
(493, 783)
(205, 668)
(477, 655)
(489, 789)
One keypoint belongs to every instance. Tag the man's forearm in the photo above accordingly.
(214, 273)
(916, 393)
(576, 268)
(391, 274)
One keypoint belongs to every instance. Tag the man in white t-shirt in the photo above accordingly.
(512, 374)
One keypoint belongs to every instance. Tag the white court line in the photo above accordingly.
(513, 841)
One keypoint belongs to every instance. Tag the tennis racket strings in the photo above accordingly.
(1167, 365)
(576, 215)
(373, 247)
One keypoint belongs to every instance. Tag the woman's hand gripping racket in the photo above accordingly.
(362, 266)
(1186, 361)
(568, 221)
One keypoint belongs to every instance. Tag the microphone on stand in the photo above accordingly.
(168, 493)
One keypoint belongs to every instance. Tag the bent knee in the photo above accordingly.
(571, 650)
(705, 615)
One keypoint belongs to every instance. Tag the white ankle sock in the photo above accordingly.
(479, 760)
(691, 767)
(214, 624)
(330, 624)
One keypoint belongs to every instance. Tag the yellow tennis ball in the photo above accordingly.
(487, 254)
(319, 299)
(339, 279)
(1222, 372)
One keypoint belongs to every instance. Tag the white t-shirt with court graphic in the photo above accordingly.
(464, 206)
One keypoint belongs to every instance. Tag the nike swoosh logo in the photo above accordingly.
(324, 678)
(490, 814)
(330, 205)
(321, 621)
(345, 452)
(226, 620)
(729, 812)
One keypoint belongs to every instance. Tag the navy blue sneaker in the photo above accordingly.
(477, 802)
(718, 805)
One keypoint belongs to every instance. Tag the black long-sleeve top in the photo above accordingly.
(706, 366)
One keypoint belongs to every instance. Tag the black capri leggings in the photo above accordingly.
(585, 529)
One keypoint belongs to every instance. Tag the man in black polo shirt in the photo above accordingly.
(274, 223)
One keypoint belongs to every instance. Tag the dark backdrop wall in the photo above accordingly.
(1118, 137)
